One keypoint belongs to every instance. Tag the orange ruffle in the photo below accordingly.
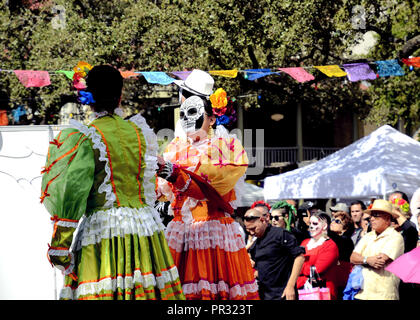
(212, 267)
(209, 271)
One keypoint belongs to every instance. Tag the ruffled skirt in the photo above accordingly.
(121, 253)
(212, 261)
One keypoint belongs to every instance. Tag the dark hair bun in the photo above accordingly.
(105, 83)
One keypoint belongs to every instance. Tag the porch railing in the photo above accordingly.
(270, 155)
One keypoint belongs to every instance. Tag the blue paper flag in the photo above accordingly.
(158, 77)
(253, 74)
(389, 68)
(18, 112)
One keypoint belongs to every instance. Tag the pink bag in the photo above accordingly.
(313, 289)
(315, 294)
(325, 293)
(309, 294)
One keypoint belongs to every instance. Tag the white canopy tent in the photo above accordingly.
(384, 161)
(251, 193)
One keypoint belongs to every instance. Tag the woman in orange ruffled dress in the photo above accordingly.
(201, 173)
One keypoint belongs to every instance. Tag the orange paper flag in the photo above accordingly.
(128, 74)
(415, 61)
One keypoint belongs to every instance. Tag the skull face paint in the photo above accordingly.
(317, 227)
(191, 114)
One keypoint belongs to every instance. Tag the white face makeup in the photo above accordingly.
(192, 109)
(316, 227)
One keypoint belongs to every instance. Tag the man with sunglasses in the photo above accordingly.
(376, 250)
(277, 256)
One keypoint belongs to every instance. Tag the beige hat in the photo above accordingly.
(383, 206)
(341, 206)
(198, 82)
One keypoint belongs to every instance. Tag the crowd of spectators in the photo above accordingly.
(285, 241)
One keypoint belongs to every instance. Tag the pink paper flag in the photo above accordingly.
(30, 78)
(298, 74)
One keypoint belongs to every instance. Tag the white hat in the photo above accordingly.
(341, 206)
(198, 82)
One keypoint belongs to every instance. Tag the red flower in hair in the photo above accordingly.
(403, 204)
(260, 202)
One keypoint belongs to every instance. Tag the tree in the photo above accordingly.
(172, 35)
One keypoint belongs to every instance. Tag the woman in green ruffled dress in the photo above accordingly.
(100, 179)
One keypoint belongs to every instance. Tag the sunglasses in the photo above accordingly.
(366, 219)
(338, 221)
(277, 218)
(251, 218)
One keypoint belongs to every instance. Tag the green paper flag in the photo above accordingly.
(69, 74)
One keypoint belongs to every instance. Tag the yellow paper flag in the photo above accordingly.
(332, 71)
(225, 73)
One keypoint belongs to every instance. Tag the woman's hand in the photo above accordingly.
(161, 161)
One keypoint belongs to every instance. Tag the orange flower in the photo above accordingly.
(82, 68)
(219, 99)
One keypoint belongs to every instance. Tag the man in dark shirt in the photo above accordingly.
(277, 256)
(356, 212)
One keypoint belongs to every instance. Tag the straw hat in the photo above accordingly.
(198, 82)
(382, 206)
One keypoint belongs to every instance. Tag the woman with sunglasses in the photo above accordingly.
(284, 215)
(338, 227)
(341, 223)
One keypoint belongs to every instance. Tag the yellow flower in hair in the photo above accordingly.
(219, 99)
(82, 68)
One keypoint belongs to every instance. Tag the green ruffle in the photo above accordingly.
(129, 267)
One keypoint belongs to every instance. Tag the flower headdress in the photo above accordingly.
(79, 82)
(402, 204)
(261, 202)
(222, 107)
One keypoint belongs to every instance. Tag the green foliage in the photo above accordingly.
(172, 35)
